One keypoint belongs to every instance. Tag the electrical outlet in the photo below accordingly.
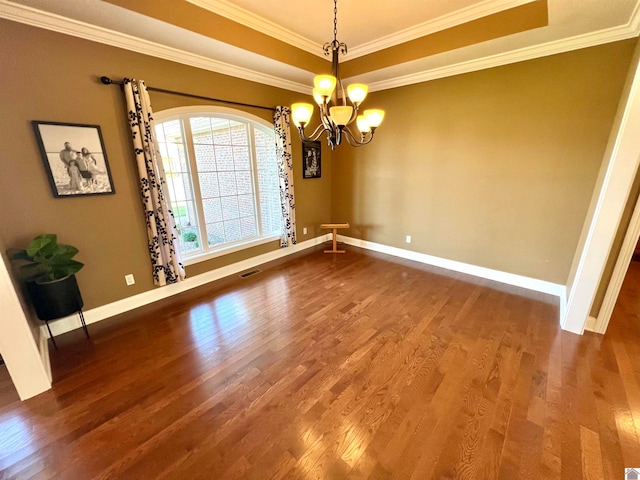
(304, 231)
(129, 279)
(408, 239)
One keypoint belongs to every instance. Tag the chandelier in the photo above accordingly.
(338, 112)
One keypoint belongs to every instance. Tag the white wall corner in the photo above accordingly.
(25, 362)
(563, 305)
(43, 347)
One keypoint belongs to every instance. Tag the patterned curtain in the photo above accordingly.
(161, 226)
(285, 172)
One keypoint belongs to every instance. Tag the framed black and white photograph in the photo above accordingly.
(311, 161)
(75, 158)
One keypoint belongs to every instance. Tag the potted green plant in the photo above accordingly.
(48, 268)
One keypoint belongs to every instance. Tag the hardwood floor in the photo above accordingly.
(8, 393)
(344, 366)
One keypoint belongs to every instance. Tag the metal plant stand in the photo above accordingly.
(84, 327)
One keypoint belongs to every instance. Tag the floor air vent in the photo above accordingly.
(248, 274)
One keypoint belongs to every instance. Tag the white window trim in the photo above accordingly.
(235, 247)
(232, 114)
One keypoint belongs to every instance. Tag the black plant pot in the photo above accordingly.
(56, 299)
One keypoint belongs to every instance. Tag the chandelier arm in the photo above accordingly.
(302, 136)
(320, 129)
(354, 113)
(343, 95)
(351, 138)
(325, 118)
(353, 141)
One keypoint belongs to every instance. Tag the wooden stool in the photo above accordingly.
(334, 227)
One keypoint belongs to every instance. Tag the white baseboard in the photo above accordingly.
(563, 305)
(43, 348)
(97, 314)
(482, 272)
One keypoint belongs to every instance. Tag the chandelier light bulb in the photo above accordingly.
(374, 117)
(357, 92)
(301, 113)
(341, 115)
(317, 97)
(363, 125)
(325, 84)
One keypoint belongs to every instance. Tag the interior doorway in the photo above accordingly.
(624, 319)
(625, 266)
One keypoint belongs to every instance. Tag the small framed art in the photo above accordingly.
(75, 158)
(311, 159)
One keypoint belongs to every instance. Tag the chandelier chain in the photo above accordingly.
(335, 21)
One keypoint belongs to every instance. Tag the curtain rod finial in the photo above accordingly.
(106, 80)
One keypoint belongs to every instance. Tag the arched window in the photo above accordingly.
(632, 475)
(222, 178)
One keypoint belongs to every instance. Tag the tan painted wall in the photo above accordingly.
(53, 77)
(493, 168)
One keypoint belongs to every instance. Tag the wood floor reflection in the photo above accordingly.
(349, 366)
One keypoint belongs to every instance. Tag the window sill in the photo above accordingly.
(236, 247)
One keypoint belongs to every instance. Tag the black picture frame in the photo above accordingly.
(311, 159)
(81, 168)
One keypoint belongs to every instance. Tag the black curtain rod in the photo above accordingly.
(108, 81)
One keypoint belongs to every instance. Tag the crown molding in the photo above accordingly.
(634, 22)
(260, 24)
(75, 28)
(459, 17)
(56, 23)
(614, 34)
